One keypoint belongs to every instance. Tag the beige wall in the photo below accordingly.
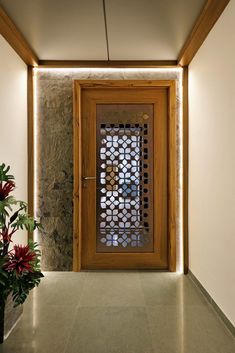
(212, 163)
(13, 119)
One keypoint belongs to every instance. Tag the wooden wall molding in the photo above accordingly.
(13, 36)
(107, 63)
(185, 141)
(205, 22)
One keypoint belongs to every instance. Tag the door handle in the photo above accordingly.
(89, 178)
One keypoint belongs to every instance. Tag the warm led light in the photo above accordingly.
(170, 70)
(35, 161)
(85, 69)
(180, 146)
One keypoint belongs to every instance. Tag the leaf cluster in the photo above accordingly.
(4, 176)
(20, 285)
(13, 217)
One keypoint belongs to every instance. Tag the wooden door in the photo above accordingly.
(124, 177)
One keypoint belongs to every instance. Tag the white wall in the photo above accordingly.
(13, 120)
(212, 163)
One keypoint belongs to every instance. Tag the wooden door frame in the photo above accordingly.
(77, 160)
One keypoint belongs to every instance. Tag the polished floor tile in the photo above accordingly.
(118, 312)
(63, 288)
(112, 289)
(110, 330)
(188, 329)
(43, 327)
(169, 289)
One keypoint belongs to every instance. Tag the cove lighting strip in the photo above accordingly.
(170, 70)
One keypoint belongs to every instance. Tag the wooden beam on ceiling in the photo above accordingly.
(205, 22)
(13, 36)
(107, 64)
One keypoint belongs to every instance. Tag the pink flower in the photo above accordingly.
(20, 260)
(6, 189)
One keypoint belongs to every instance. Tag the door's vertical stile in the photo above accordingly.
(156, 150)
(88, 172)
(85, 113)
(161, 175)
(77, 195)
(157, 176)
(92, 183)
(165, 146)
(84, 122)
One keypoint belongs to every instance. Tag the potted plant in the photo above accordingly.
(19, 264)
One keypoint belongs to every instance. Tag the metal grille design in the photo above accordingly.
(123, 192)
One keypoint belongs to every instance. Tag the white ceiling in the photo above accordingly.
(75, 29)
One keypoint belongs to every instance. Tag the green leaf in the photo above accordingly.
(4, 176)
(23, 207)
(24, 221)
(6, 205)
(23, 285)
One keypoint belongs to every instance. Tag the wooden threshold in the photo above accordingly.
(14, 37)
(205, 22)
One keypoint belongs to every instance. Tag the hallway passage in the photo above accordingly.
(118, 312)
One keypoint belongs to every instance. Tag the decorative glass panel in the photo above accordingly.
(124, 178)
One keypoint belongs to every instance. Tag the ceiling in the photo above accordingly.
(75, 29)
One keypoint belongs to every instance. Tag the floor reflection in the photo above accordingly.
(118, 312)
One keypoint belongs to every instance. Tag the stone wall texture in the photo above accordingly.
(54, 120)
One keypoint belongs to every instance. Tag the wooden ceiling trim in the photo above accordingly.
(205, 22)
(106, 64)
(13, 36)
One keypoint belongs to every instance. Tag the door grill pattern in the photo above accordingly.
(123, 186)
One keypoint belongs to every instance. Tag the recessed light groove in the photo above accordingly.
(106, 29)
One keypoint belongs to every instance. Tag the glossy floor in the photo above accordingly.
(118, 312)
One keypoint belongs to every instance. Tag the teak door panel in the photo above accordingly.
(124, 176)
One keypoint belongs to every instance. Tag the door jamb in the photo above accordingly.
(77, 165)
